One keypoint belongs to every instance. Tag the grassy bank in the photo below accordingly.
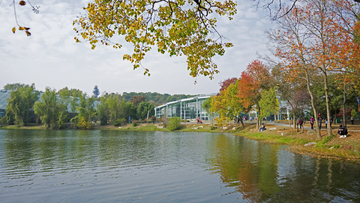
(333, 146)
(304, 143)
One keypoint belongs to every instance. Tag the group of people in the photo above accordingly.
(342, 131)
(320, 118)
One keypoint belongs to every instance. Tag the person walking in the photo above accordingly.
(352, 120)
(331, 120)
(301, 123)
(326, 122)
(320, 120)
(312, 122)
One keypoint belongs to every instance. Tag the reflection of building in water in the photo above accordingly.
(189, 108)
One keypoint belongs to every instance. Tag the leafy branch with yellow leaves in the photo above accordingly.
(176, 27)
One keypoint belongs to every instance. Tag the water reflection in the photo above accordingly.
(168, 167)
(268, 173)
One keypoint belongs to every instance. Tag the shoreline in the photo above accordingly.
(298, 142)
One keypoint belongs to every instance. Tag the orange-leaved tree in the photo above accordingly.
(309, 42)
(253, 80)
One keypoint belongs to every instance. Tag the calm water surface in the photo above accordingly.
(112, 166)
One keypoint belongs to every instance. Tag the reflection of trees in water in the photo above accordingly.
(264, 173)
(59, 151)
(260, 172)
(247, 165)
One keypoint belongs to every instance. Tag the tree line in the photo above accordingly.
(315, 65)
(56, 109)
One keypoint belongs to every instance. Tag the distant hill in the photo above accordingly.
(155, 98)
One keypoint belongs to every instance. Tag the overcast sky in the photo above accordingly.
(51, 58)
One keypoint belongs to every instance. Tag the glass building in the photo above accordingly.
(4, 95)
(189, 108)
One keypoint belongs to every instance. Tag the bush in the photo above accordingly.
(85, 125)
(153, 119)
(174, 124)
(134, 124)
(354, 114)
(119, 121)
(212, 127)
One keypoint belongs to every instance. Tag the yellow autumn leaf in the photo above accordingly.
(13, 30)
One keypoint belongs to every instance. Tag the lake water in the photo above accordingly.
(117, 166)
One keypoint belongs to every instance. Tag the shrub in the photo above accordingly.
(119, 121)
(83, 124)
(153, 119)
(134, 124)
(212, 127)
(354, 113)
(174, 123)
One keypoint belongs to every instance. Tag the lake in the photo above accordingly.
(119, 166)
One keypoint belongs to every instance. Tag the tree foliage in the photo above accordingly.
(206, 105)
(96, 91)
(13, 86)
(225, 84)
(143, 109)
(227, 105)
(86, 112)
(136, 100)
(51, 111)
(253, 80)
(268, 103)
(317, 38)
(178, 27)
(174, 123)
(20, 103)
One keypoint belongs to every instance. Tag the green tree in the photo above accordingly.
(227, 104)
(176, 27)
(86, 112)
(268, 103)
(52, 112)
(116, 107)
(206, 105)
(96, 91)
(13, 86)
(174, 123)
(21, 102)
(130, 110)
(103, 110)
(143, 109)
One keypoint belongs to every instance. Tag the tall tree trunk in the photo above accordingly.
(344, 110)
(258, 120)
(294, 120)
(241, 120)
(318, 134)
(327, 102)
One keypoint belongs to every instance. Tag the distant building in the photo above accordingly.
(4, 95)
(189, 108)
